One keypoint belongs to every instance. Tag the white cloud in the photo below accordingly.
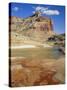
(51, 12)
(41, 8)
(46, 11)
(15, 8)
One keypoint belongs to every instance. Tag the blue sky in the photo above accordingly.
(56, 13)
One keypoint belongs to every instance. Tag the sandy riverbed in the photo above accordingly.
(37, 66)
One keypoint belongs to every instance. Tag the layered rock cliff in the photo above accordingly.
(36, 28)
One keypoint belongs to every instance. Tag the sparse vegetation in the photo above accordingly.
(57, 40)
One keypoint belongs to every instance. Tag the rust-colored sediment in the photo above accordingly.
(33, 73)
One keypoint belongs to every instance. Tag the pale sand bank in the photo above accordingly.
(29, 46)
(14, 58)
(23, 46)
